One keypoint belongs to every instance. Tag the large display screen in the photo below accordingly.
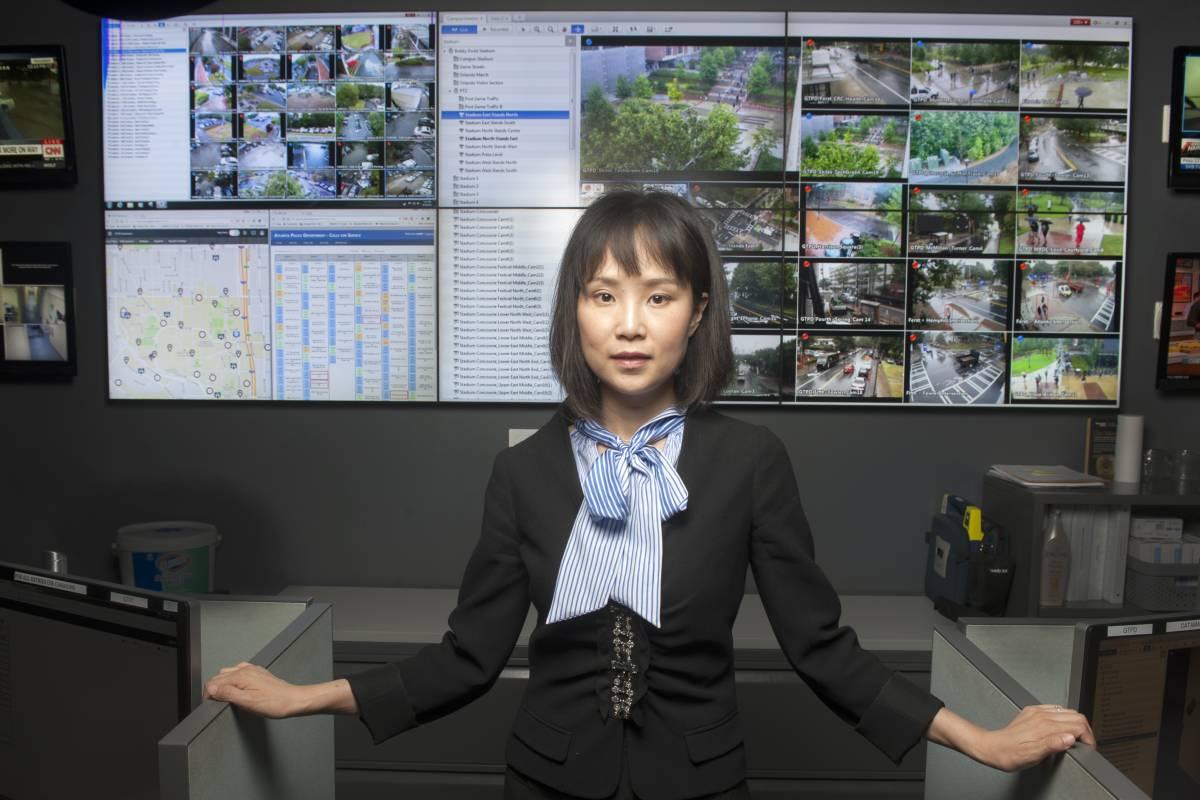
(912, 209)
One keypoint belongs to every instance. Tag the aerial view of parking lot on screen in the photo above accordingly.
(314, 112)
(1074, 76)
(757, 361)
(837, 367)
(854, 72)
(1065, 369)
(690, 110)
(858, 294)
(957, 368)
(1068, 296)
(959, 294)
(1073, 149)
(978, 73)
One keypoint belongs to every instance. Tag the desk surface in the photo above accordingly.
(388, 615)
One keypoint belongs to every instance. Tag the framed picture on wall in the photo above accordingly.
(37, 332)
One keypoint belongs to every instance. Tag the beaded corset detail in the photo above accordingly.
(622, 669)
(624, 656)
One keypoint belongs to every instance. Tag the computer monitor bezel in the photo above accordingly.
(33, 177)
(1176, 177)
(1162, 379)
(129, 601)
(1089, 635)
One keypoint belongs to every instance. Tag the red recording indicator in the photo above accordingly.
(912, 337)
(1081, 20)
(807, 188)
(807, 264)
(916, 190)
(917, 117)
(804, 336)
(916, 265)
(810, 42)
(1024, 265)
(1027, 118)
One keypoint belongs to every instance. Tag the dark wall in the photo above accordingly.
(392, 495)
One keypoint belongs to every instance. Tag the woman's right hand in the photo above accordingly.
(256, 690)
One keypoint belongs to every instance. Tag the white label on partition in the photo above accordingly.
(1183, 625)
(1130, 630)
(170, 605)
(128, 600)
(50, 583)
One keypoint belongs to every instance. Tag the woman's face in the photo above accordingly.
(634, 331)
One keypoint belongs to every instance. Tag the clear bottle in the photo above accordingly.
(1056, 563)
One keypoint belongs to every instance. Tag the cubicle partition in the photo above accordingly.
(988, 672)
(216, 752)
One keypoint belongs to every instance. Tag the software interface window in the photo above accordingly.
(910, 209)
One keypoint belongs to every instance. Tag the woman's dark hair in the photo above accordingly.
(663, 227)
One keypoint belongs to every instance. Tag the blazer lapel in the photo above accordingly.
(692, 453)
(562, 476)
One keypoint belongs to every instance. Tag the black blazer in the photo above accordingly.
(743, 508)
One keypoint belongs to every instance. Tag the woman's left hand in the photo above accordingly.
(1036, 732)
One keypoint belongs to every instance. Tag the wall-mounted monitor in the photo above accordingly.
(911, 209)
(37, 146)
(37, 316)
(1179, 327)
(1183, 163)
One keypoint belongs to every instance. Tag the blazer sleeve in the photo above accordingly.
(884, 707)
(493, 601)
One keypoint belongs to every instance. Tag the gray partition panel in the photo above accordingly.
(218, 753)
(1035, 653)
(974, 686)
(233, 629)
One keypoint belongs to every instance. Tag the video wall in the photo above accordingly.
(912, 209)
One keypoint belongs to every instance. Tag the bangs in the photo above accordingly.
(635, 236)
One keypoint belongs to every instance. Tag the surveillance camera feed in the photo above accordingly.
(910, 209)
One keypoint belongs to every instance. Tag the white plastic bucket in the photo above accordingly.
(167, 556)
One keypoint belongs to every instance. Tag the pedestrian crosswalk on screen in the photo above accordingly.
(911, 209)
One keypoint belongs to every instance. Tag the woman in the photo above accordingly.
(629, 520)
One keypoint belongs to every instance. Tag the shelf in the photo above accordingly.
(1090, 609)
(1096, 496)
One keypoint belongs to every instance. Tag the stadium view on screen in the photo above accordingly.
(911, 209)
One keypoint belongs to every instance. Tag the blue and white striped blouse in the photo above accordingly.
(608, 559)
